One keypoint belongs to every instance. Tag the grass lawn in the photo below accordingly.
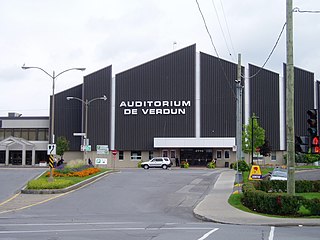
(58, 182)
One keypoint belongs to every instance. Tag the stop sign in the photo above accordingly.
(114, 152)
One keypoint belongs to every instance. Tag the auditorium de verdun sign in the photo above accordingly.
(159, 107)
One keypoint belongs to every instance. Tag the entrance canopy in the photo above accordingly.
(194, 142)
(13, 140)
(21, 144)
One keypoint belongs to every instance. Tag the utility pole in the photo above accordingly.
(239, 118)
(290, 102)
(239, 115)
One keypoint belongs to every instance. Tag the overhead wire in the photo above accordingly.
(270, 54)
(216, 51)
(224, 37)
(227, 25)
(296, 9)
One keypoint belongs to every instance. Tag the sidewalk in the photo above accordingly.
(215, 207)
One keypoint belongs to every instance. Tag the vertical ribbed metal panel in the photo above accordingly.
(96, 85)
(168, 78)
(68, 116)
(303, 98)
(218, 97)
(265, 102)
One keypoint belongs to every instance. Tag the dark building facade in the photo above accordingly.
(181, 105)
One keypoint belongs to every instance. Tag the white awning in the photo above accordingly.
(194, 142)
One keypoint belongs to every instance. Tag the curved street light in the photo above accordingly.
(87, 103)
(53, 77)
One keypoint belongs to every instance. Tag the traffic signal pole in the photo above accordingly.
(290, 102)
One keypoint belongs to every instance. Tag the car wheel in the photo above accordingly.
(145, 166)
(164, 166)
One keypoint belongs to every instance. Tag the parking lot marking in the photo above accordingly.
(271, 234)
(8, 200)
(208, 234)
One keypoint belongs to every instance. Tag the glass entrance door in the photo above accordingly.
(196, 157)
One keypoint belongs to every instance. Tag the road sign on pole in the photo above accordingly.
(114, 152)
(51, 149)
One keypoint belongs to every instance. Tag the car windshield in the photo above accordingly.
(279, 174)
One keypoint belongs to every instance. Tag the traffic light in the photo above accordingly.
(313, 122)
(302, 144)
(315, 148)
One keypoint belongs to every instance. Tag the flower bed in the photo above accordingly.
(82, 173)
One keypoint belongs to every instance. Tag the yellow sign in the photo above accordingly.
(255, 173)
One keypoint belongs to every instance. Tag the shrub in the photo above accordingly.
(271, 203)
(139, 163)
(211, 165)
(242, 166)
(184, 164)
(313, 205)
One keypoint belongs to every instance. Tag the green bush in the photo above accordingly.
(242, 166)
(211, 165)
(313, 205)
(184, 164)
(301, 186)
(42, 183)
(139, 163)
(270, 203)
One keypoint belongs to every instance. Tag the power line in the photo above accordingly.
(215, 49)
(227, 25)
(224, 37)
(206, 26)
(270, 54)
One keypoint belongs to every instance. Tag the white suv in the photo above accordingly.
(157, 162)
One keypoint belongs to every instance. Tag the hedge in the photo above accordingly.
(266, 197)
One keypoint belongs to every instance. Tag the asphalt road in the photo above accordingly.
(136, 204)
(13, 179)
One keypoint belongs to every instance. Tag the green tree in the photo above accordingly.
(62, 145)
(258, 136)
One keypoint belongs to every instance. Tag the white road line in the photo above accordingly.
(208, 234)
(109, 229)
(271, 234)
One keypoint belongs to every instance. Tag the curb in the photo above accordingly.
(68, 189)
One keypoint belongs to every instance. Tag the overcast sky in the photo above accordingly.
(60, 34)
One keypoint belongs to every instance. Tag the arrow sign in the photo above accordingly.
(51, 149)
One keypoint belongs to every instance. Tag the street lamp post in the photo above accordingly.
(252, 135)
(87, 103)
(53, 77)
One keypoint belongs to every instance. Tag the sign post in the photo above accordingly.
(51, 151)
(114, 153)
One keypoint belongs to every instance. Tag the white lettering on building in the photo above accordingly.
(155, 107)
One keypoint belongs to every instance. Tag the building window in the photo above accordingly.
(8, 133)
(219, 153)
(120, 155)
(1, 134)
(226, 154)
(42, 135)
(165, 153)
(32, 135)
(135, 155)
(150, 155)
(24, 133)
(17, 133)
(273, 156)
